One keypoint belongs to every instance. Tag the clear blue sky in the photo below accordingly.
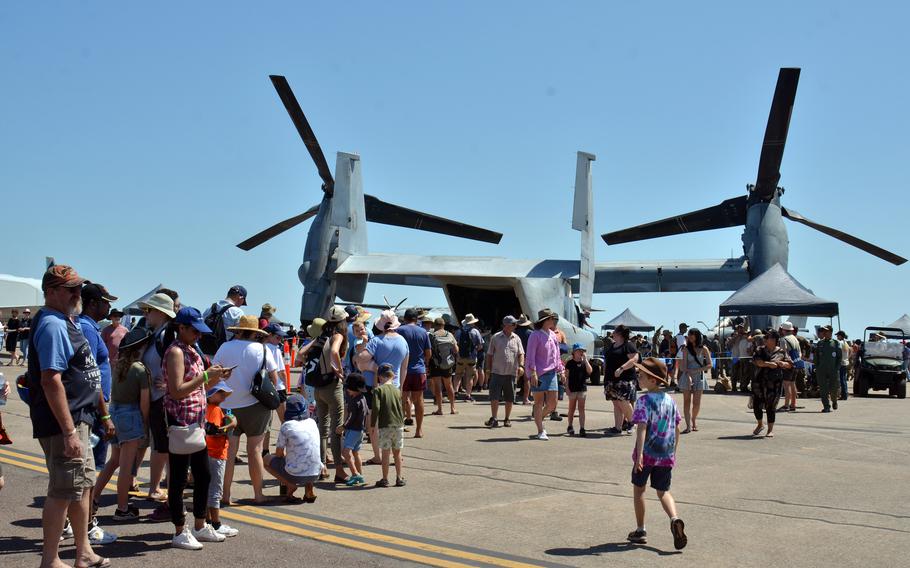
(141, 142)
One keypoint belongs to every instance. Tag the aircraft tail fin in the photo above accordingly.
(349, 220)
(583, 221)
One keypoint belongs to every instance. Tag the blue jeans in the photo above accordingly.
(843, 381)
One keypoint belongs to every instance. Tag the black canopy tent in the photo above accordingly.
(630, 320)
(777, 293)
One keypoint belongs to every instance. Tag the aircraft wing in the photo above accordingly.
(610, 277)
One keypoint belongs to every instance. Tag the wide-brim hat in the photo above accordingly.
(136, 337)
(115, 313)
(160, 302)
(269, 308)
(388, 321)
(247, 323)
(786, 326)
(546, 314)
(296, 408)
(315, 327)
(523, 321)
(655, 368)
(469, 319)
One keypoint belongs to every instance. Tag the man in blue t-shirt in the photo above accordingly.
(96, 305)
(64, 388)
(415, 381)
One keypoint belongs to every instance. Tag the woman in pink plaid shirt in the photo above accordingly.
(184, 405)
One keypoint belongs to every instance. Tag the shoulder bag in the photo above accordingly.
(262, 386)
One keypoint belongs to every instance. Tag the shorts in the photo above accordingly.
(696, 383)
(466, 366)
(68, 478)
(252, 420)
(127, 420)
(158, 426)
(502, 387)
(391, 438)
(352, 440)
(546, 382)
(414, 382)
(435, 372)
(620, 390)
(280, 467)
(660, 476)
(216, 483)
(577, 395)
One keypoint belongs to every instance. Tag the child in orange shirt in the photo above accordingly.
(218, 423)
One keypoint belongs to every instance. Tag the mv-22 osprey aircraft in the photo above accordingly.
(337, 265)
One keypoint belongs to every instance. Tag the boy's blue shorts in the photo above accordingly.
(660, 477)
(352, 440)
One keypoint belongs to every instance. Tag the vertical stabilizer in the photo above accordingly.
(348, 211)
(583, 220)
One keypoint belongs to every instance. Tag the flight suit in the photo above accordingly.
(827, 368)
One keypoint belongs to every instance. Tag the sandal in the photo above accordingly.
(769, 435)
(373, 461)
(436, 413)
(758, 430)
(686, 431)
(293, 500)
(100, 563)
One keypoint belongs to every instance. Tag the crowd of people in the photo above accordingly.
(187, 385)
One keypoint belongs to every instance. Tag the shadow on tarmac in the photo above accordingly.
(608, 548)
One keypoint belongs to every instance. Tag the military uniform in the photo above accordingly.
(828, 355)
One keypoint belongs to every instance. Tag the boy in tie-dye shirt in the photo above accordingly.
(655, 449)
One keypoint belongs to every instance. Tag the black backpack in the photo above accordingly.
(210, 342)
(466, 348)
(443, 348)
(312, 370)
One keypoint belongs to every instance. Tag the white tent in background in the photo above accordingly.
(133, 309)
(19, 292)
(902, 323)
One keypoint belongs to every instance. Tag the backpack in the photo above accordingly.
(210, 342)
(312, 370)
(466, 348)
(443, 348)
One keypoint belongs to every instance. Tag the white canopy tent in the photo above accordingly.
(19, 292)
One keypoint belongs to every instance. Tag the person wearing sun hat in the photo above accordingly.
(113, 334)
(654, 456)
(330, 396)
(246, 351)
(159, 312)
(470, 344)
(544, 367)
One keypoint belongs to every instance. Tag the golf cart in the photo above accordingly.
(880, 363)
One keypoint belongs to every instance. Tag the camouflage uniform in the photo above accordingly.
(827, 366)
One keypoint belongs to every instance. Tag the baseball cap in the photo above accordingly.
(61, 275)
(219, 387)
(275, 329)
(509, 320)
(578, 347)
(191, 316)
(93, 291)
(352, 312)
(238, 290)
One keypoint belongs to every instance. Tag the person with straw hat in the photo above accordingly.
(330, 395)
(654, 456)
(544, 367)
(470, 345)
(246, 352)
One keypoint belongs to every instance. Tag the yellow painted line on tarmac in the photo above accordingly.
(377, 547)
(424, 546)
(346, 542)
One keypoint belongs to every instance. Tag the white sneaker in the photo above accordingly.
(98, 536)
(186, 541)
(67, 531)
(543, 436)
(227, 531)
(208, 534)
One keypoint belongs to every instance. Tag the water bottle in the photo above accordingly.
(2, 386)
(93, 439)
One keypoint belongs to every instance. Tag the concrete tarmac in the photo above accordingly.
(829, 489)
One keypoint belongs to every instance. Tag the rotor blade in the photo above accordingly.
(730, 213)
(379, 211)
(277, 229)
(772, 150)
(303, 128)
(841, 236)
